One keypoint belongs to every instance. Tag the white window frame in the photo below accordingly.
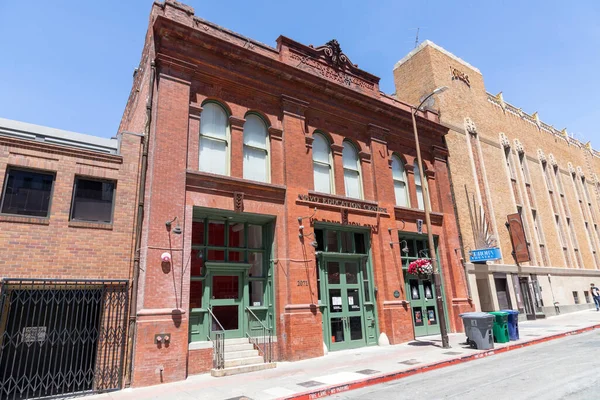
(266, 149)
(329, 164)
(403, 179)
(227, 139)
(357, 170)
(417, 175)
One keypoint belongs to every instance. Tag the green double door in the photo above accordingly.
(349, 317)
(421, 293)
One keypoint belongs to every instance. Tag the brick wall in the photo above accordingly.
(218, 66)
(56, 247)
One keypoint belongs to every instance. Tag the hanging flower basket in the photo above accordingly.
(421, 267)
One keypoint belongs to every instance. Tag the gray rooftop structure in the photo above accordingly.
(44, 134)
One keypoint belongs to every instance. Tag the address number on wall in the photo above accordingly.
(302, 283)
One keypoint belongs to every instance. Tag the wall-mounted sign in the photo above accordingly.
(480, 255)
(517, 237)
(341, 203)
(456, 74)
(32, 334)
(419, 226)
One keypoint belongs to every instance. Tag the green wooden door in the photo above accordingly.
(421, 293)
(226, 302)
(346, 301)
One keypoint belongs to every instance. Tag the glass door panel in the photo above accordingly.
(421, 293)
(226, 303)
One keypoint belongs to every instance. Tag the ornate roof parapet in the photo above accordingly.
(519, 146)
(536, 118)
(504, 140)
(541, 156)
(500, 99)
(470, 126)
(588, 146)
(333, 51)
(570, 167)
(552, 160)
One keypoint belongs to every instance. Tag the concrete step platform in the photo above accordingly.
(231, 355)
(238, 347)
(236, 341)
(242, 369)
(236, 362)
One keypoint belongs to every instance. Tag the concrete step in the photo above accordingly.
(236, 341)
(238, 347)
(236, 362)
(241, 369)
(232, 355)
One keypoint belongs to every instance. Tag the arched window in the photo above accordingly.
(214, 139)
(351, 171)
(322, 165)
(256, 151)
(399, 176)
(419, 187)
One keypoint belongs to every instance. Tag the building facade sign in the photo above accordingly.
(480, 255)
(517, 237)
(313, 198)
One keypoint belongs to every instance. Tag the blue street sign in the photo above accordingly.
(493, 253)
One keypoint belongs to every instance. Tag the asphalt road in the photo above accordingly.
(566, 368)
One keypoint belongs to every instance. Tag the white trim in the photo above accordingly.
(200, 345)
(438, 48)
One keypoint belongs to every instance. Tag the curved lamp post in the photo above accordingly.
(436, 274)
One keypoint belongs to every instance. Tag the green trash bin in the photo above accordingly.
(500, 327)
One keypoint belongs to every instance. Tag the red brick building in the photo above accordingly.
(283, 204)
(67, 210)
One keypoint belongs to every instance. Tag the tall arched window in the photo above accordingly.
(256, 151)
(322, 165)
(214, 139)
(351, 171)
(419, 187)
(399, 176)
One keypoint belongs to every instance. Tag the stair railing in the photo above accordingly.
(218, 343)
(264, 341)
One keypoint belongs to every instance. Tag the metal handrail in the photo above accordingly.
(218, 343)
(267, 339)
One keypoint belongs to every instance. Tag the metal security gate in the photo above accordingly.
(60, 337)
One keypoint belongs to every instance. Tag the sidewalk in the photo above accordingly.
(351, 369)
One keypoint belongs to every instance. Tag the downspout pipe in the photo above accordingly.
(138, 231)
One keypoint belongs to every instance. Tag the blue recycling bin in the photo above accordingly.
(513, 324)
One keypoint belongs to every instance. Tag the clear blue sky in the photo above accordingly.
(69, 64)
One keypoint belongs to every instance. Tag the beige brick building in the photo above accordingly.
(505, 161)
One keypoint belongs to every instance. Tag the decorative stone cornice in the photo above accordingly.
(337, 149)
(439, 153)
(504, 140)
(470, 126)
(552, 160)
(195, 109)
(364, 156)
(519, 146)
(308, 140)
(236, 122)
(378, 133)
(293, 106)
(275, 133)
(541, 156)
(430, 173)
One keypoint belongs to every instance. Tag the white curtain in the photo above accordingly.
(322, 164)
(399, 177)
(420, 202)
(213, 139)
(351, 171)
(255, 149)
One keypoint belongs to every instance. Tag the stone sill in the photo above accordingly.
(90, 225)
(25, 220)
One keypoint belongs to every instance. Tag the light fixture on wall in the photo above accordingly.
(177, 230)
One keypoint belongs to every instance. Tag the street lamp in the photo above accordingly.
(436, 275)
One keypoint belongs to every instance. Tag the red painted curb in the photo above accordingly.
(391, 376)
